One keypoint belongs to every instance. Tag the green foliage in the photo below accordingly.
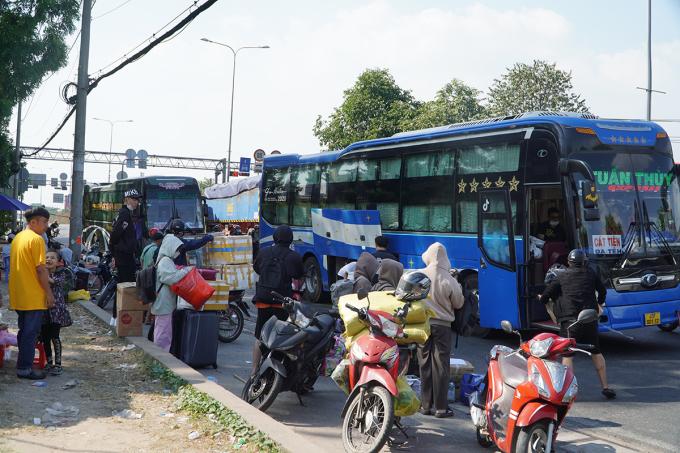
(204, 184)
(372, 108)
(526, 88)
(169, 379)
(455, 103)
(32, 34)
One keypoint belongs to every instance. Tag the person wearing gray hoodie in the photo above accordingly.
(388, 275)
(366, 267)
(166, 301)
(433, 357)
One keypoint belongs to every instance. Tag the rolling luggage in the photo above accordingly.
(196, 334)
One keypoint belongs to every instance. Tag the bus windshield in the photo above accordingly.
(165, 205)
(639, 200)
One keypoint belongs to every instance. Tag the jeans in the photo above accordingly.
(30, 322)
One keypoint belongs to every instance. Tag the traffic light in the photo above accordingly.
(233, 173)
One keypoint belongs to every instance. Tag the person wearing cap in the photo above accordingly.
(574, 290)
(123, 240)
(149, 250)
(236, 231)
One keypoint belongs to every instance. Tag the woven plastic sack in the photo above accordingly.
(406, 403)
(341, 375)
(194, 289)
(417, 333)
(81, 294)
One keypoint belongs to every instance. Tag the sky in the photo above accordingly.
(178, 96)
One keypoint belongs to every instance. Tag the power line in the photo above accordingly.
(179, 27)
(128, 1)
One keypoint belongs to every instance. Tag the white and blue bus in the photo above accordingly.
(614, 183)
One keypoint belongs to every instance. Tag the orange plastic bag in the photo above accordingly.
(194, 289)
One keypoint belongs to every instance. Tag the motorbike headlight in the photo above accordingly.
(558, 373)
(301, 320)
(389, 328)
(538, 381)
(572, 392)
(540, 348)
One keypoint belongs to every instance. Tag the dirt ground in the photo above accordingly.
(109, 378)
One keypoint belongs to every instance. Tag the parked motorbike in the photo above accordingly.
(376, 361)
(54, 229)
(110, 290)
(231, 321)
(293, 353)
(298, 285)
(528, 393)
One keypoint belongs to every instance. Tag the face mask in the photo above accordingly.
(130, 207)
(554, 224)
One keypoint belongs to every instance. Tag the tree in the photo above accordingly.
(455, 103)
(32, 34)
(373, 108)
(528, 88)
(204, 184)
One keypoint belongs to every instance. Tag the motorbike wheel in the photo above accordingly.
(484, 440)
(106, 296)
(532, 438)
(369, 434)
(668, 327)
(231, 325)
(262, 392)
(95, 285)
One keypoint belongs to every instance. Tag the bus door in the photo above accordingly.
(497, 279)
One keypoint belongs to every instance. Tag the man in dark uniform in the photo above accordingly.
(123, 240)
(551, 230)
(574, 291)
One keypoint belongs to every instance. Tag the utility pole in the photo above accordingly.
(17, 160)
(649, 60)
(76, 218)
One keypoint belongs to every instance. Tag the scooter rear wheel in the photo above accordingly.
(231, 324)
(533, 438)
(484, 440)
(368, 434)
(262, 392)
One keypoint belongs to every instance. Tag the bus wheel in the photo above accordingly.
(670, 327)
(313, 283)
(471, 282)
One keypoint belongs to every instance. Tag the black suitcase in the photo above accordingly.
(197, 338)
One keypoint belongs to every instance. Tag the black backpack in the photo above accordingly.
(272, 278)
(467, 316)
(146, 285)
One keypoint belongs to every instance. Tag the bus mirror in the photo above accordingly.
(206, 212)
(591, 215)
(589, 195)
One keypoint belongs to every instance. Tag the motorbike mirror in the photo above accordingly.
(507, 327)
(362, 294)
(587, 316)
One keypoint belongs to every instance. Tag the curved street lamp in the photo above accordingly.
(233, 80)
(111, 140)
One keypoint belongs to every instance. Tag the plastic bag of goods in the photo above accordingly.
(417, 333)
(341, 375)
(380, 301)
(406, 403)
(414, 382)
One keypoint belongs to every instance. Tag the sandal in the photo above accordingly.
(425, 411)
(446, 414)
(47, 368)
(56, 370)
(609, 393)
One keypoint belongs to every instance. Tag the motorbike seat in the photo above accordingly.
(327, 323)
(513, 369)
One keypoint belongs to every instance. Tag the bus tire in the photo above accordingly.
(670, 327)
(313, 281)
(472, 284)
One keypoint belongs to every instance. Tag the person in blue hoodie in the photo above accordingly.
(177, 228)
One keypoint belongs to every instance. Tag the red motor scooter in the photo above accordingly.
(528, 393)
(373, 371)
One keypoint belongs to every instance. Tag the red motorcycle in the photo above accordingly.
(374, 368)
(528, 393)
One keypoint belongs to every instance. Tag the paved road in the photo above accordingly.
(644, 417)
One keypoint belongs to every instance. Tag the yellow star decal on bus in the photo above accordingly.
(513, 184)
(628, 140)
(500, 182)
(461, 186)
(620, 139)
(486, 183)
(643, 141)
(411, 262)
(473, 185)
(368, 217)
(635, 139)
(613, 139)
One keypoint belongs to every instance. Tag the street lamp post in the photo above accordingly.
(233, 80)
(111, 138)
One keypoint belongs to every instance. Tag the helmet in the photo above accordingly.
(576, 256)
(176, 226)
(152, 231)
(413, 286)
(237, 227)
(553, 272)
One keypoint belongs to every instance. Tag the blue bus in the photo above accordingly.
(483, 189)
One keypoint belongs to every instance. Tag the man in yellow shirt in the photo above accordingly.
(29, 290)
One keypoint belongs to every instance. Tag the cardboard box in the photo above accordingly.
(228, 250)
(129, 323)
(458, 367)
(237, 276)
(126, 297)
(218, 301)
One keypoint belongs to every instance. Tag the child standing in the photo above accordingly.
(56, 317)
